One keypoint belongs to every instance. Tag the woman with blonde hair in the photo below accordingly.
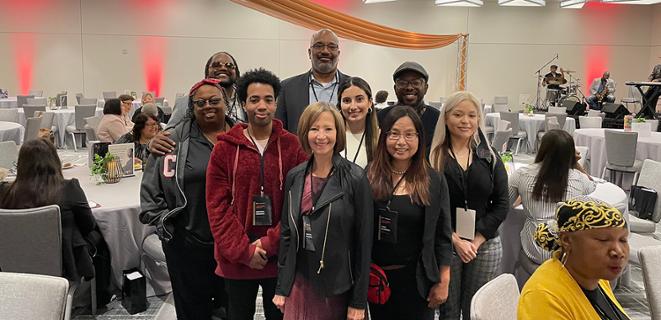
(326, 226)
(477, 184)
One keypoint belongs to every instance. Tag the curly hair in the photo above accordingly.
(256, 76)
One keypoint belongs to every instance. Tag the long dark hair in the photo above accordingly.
(557, 156)
(417, 176)
(140, 123)
(371, 124)
(38, 177)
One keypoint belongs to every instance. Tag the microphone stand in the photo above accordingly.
(539, 81)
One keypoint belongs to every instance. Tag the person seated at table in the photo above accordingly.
(145, 128)
(588, 239)
(554, 176)
(150, 108)
(112, 125)
(127, 106)
(147, 97)
(39, 182)
(173, 199)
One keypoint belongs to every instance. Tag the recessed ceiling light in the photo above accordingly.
(522, 3)
(572, 4)
(460, 3)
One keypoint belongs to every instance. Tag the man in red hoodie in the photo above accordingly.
(245, 181)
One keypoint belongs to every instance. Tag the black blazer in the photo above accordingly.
(294, 97)
(343, 218)
(436, 237)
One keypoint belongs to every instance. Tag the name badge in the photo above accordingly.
(387, 231)
(308, 244)
(261, 210)
(466, 223)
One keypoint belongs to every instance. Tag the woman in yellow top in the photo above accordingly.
(590, 248)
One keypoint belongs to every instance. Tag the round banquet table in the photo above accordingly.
(117, 217)
(531, 125)
(510, 229)
(61, 119)
(11, 131)
(647, 147)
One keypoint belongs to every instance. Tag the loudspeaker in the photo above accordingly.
(614, 110)
(574, 108)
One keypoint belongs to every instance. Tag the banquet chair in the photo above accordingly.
(21, 251)
(8, 154)
(650, 177)
(22, 100)
(159, 101)
(81, 112)
(10, 115)
(38, 101)
(36, 93)
(78, 97)
(32, 127)
(500, 139)
(153, 263)
(551, 121)
(88, 101)
(517, 133)
(496, 300)
(29, 110)
(589, 122)
(500, 104)
(594, 113)
(109, 95)
(621, 153)
(557, 110)
(61, 99)
(91, 124)
(19, 300)
(650, 259)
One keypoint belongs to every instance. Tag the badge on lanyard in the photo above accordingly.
(308, 244)
(387, 231)
(261, 210)
(465, 227)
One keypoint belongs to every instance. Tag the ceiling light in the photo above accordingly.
(460, 3)
(633, 1)
(572, 4)
(522, 3)
(377, 1)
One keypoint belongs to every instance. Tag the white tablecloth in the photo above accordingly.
(510, 230)
(10, 131)
(647, 147)
(117, 217)
(9, 102)
(62, 119)
(531, 125)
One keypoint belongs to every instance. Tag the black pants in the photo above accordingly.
(196, 288)
(242, 295)
(405, 302)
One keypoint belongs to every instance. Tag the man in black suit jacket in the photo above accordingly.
(318, 84)
(411, 84)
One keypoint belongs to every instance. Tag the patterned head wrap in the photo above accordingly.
(581, 213)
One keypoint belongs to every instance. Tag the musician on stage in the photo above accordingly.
(602, 90)
(553, 79)
(654, 92)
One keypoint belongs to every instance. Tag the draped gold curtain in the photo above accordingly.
(314, 16)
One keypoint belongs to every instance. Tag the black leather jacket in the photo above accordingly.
(342, 225)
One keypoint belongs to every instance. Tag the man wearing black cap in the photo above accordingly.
(320, 83)
(410, 87)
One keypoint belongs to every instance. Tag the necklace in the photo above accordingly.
(399, 173)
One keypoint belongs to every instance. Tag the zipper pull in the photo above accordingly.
(321, 266)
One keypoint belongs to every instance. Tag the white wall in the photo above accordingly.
(94, 45)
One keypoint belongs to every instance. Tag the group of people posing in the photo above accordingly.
(302, 188)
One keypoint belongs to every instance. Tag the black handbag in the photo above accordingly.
(643, 201)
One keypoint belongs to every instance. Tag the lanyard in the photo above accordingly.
(316, 98)
(394, 189)
(312, 196)
(261, 163)
(358, 150)
(464, 174)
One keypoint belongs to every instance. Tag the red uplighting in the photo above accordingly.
(23, 45)
(152, 51)
(340, 5)
(597, 58)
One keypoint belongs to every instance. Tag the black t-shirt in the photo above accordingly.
(606, 309)
(410, 227)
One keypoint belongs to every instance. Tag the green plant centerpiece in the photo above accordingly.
(529, 109)
(639, 120)
(106, 169)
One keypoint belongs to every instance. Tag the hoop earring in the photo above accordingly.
(565, 256)
(369, 110)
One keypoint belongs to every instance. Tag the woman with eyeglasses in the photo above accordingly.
(412, 233)
(173, 198)
(145, 128)
(479, 199)
(362, 129)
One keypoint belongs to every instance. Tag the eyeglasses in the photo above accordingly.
(400, 83)
(228, 65)
(127, 102)
(212, 102)
(320, 46)
(152, 125)
(408, 136)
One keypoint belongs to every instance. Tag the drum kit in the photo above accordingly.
(570, 91)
